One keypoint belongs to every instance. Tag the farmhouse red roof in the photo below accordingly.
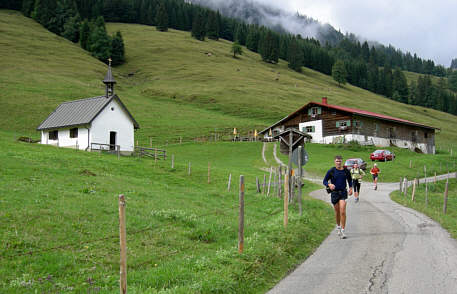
(354, 111)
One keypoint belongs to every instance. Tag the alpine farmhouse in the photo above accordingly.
(337, 124)
(101, 122)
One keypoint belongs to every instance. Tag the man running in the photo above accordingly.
(356, 174)
(338, 177)
(374, 172)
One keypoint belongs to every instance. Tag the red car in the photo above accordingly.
(382, 155)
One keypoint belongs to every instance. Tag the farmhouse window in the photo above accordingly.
(414, 137)
(343, 123)
(425, 135)
(313, 111)
(74, 133)
(309, 129)
(54, 135)
(358, 124)
(376, 127)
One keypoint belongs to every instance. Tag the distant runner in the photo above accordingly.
(357, 175)
(374, 172)
(337, 189)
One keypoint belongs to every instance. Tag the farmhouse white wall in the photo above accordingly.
(317, 134)
(116, 120)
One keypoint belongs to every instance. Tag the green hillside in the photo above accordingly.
(177, 88)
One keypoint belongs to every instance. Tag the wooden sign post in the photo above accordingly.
(290, 139)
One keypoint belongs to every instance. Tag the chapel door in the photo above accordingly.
(112, 140)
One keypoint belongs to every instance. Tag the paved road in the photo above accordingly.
(389, 249)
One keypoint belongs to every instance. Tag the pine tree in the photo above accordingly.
(84, 33)
(71, 29)
(236, 49)
(212, 26)
(252, 39)
(454, 63)
(400, 86)
(269, 47)
(365, 52)
(452, 81)
(162, 18)
(99, 43)
(339, 72)
(295, 56)
(198, 26)
(387, 75)
(27, 7)
(117, 49)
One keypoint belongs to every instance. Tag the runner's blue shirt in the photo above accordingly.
(339, 176)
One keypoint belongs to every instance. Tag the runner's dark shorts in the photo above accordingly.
(338, 195)
(356, 186)
(375, 176)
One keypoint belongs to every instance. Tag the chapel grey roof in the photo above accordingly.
(79, 112)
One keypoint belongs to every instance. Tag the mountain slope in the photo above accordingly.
(170, 83)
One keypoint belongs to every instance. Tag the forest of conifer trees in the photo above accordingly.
(377, 69)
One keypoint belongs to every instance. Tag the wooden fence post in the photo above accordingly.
(300, 204)
(241, 217)
(123, 246)
(434, 180)
(414, 190)
(426, 192)
(257, 182)
(279, 182)
(269, 181)
(286, 198)
(445, 196)
(209, 173)
(275, 178)
(410, 164)
(406, 186)
(229, 182)
(172, 161)
(264, 186)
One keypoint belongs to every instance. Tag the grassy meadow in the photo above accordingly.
(434, 207)
(60, 222)
(58, 207)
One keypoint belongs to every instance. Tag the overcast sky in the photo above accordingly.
(425, 27)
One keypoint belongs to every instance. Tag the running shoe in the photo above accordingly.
(356, 199)
(338, 230)
(342, 234)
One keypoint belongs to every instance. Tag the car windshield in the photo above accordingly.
(378, 151)
(351, 162)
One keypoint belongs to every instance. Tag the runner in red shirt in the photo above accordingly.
(374, 172)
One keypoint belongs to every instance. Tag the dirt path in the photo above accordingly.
(389, 249)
